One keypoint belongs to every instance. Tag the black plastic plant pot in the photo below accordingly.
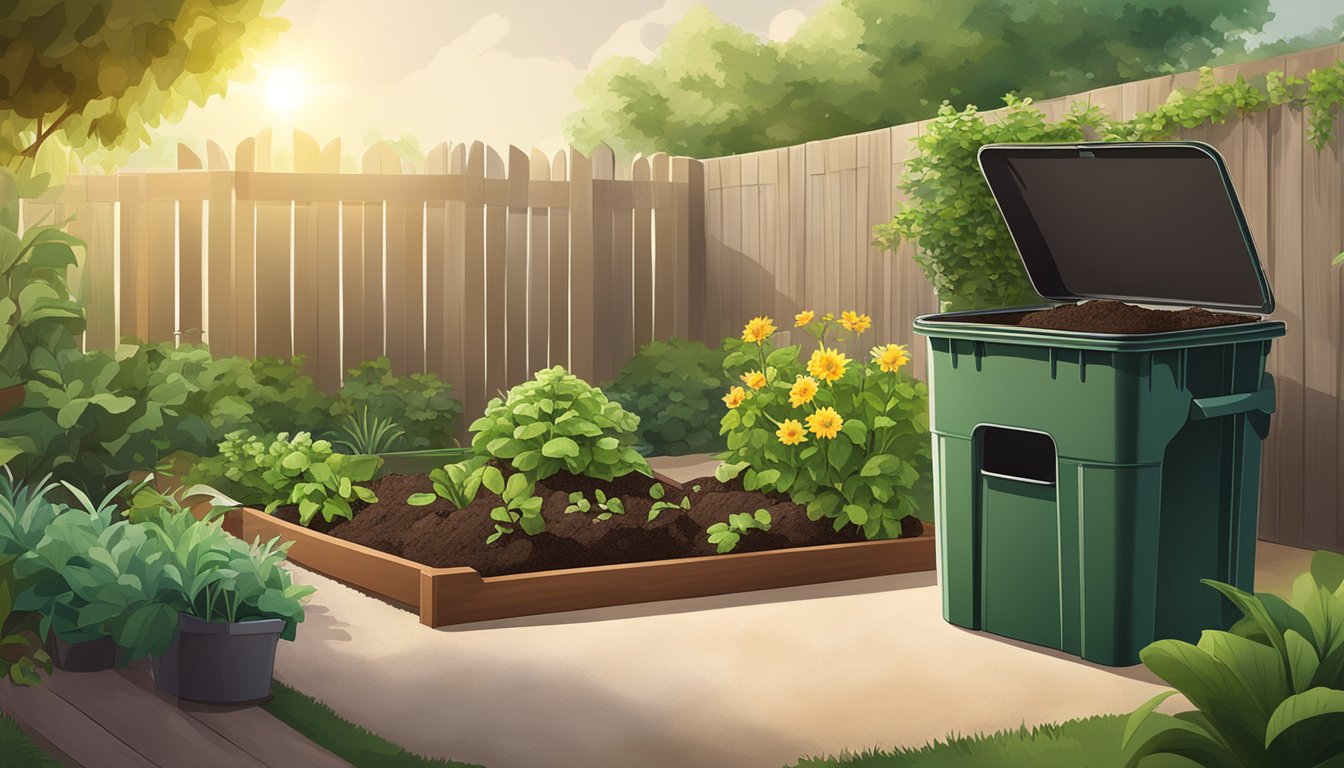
(219, 662)
(88, 656)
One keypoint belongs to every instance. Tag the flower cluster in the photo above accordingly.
(838, 430)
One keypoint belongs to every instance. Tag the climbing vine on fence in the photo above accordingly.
(965, 249)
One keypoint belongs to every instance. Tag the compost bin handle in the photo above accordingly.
(1260, 401)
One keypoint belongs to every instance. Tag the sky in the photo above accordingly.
(499, 71)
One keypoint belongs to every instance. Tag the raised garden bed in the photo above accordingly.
(455, 595)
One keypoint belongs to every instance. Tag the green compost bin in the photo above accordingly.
(1086, 482)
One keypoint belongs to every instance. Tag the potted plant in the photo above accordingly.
(91, 578)
(234, 603)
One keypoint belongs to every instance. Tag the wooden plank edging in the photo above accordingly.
(447, 596)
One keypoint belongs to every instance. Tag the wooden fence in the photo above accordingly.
(482, 270)
(790, 229)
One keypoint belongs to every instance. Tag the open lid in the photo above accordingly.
(1147, 223)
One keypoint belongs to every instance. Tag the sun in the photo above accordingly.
(285, 90)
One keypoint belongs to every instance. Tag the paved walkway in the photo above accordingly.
(745, 680)
(119, 719)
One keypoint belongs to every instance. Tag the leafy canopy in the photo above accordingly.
(101, 72)
(856, 65)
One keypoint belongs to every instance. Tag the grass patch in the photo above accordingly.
(17, 750)
(1093, 742)
(341, 737)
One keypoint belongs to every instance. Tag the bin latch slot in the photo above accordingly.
(1017, 454)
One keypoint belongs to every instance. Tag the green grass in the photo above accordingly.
(341, 737)
(1090, 743)
(15, 748)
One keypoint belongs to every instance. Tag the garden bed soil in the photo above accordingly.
(1112, 317)
(440, 536)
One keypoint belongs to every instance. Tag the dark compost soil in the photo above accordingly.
(1113, 317)
(440, 536)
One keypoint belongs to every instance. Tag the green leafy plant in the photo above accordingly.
(557, 421)
(221, 578)
(1269, 692)
(849, 439)
(365, 435)
(84, 571)
(298, 470)
(421, 404)
(657, 492)
(963, 245)
(674, 387)
(602, 507)
(458, 483)
(36, 310)
(725, 536)
(22, 657)
(520, 507)
(99, 578)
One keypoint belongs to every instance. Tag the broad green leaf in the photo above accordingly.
(1302, 660)
(421, 499)
(560, 447)
(1301, 707)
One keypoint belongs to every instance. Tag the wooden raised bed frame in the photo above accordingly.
(447, 596)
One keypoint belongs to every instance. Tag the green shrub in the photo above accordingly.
(24, 660)
(964, 248)
(557, 421)
(223, 578)
(420, 404)
(1270, 692)
(36, 311)
(97, 576)
(674, 387)
(849, 439)
(725, 536)
(282, 470)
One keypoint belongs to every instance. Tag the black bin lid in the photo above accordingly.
(1149, 223)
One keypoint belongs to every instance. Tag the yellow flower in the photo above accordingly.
(758, 330)
(803, 318)
(791, 432)
(735, 397)
(852, 321)
(891, 357)
(828, 317)
(825, 422)
(754, 379)
(802, 391)
(827, 364)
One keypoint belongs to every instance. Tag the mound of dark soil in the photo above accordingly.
(1114, 317)
(440, 536)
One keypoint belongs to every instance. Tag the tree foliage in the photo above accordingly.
(99, 73)
(857, 65)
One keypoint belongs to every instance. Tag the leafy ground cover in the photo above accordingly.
(1092, 742)
(342, 738)
(18, 750)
